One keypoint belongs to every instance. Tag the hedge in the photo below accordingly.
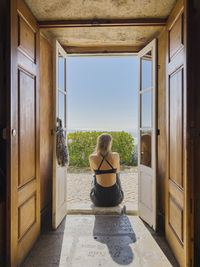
(82, 144)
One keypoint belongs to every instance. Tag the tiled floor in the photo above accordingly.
(101, 240)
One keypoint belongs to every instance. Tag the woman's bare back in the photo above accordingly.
(107, 179)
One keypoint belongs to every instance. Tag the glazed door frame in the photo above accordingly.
(147, 207)
(59, 204)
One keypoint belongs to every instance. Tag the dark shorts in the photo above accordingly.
(106, 196)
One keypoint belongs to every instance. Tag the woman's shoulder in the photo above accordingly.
(115, 154)
(92, 156)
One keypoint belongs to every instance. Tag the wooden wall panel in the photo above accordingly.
(46, 103)
(162, 145)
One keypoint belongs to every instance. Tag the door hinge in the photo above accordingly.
(158, 131)
(194, 132)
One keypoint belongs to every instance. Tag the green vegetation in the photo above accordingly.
(82, 144)
(135, 155)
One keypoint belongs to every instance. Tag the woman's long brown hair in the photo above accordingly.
(104, 143)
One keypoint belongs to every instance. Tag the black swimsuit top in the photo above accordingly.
(98, 171)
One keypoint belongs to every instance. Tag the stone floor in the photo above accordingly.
(99, 240)
(79, 185)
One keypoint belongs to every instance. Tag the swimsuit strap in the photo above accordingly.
(101, 163)
(109, 164)
(104, 157)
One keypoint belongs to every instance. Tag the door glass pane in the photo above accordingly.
(61, 73)
(146, 71)
(61, 108)
(146, 110)
(145, 148)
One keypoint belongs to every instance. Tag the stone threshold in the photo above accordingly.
(88, 208)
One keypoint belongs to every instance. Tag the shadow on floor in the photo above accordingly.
(117, 233)
(101, 240)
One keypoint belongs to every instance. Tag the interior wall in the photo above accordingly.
(162, 144)
(46, 103)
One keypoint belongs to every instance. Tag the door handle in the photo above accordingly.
(14, 133)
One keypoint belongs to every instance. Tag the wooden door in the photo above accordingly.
(147, 134)
(23, 187)
(60, 114)
(178, 212)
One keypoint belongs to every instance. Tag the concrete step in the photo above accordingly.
(88, 208)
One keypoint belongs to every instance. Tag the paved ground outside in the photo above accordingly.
(79, 185)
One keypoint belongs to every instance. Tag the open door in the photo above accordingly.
(178, 198)
(23, 181)
(60, 116)
(147, 134)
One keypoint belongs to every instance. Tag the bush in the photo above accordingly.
(135, 156)
(82, 144)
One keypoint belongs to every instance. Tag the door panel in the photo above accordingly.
(27, 142)
(27, 215)
(147, 134)
(27, 38)
(176, 127)
(176, 218)
(146, 192)
(176, 37)
(60, 115)
(146, 109)
(23, 187)
(177, 191)
(146, 149)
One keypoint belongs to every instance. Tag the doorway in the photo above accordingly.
(104, 98)
(146, 128)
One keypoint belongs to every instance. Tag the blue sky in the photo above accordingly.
(102, 93)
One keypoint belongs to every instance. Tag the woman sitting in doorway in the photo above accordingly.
(106, 190)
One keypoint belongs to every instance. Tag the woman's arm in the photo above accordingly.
(118, 163)
(90, 161)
